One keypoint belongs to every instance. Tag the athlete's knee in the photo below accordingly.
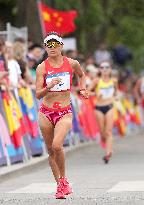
(108, 133)
(56, 147)
(50, 152)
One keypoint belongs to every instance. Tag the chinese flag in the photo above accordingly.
(55, 20)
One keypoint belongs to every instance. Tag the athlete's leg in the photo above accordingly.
(101, 123)
(109, 120)
(47, 130)
(61, 129)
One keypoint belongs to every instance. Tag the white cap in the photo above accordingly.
(53, 36)
(91, 68)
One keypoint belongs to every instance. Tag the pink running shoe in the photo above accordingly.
(107, 157)
(60, 194)
(66, 187)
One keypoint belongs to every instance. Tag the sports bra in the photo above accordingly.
(64, 72)
(105, 89)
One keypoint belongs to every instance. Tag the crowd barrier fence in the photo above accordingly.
(20, 136)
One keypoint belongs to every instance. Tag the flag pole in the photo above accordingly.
(41, 18)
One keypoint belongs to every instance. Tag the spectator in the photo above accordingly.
(19, 51)
(3, 74)
(31, 65)
(3, 63)
(13, 67)
(102, 54)
(72, 54)
(35, 52)
(90, 75)
(4, 81)
(23, 44)
(121, 55)
(26, 75)
(90, 65)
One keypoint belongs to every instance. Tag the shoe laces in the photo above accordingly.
(60, 187)
(65, 181)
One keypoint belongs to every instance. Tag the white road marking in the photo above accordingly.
(37, 188)
(128, 186)
(44, 188)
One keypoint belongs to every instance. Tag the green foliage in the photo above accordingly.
(112, 21)
(127, 27)
(6, 11)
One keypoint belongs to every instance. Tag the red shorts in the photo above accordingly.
(54, 115)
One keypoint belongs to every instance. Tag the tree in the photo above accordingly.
(7, 12)
(27, 15)
(21, 13)
(110, 21)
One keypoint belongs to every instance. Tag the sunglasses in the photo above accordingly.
(52, 44)
(104, 67)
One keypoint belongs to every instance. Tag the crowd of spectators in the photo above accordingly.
(18, 63)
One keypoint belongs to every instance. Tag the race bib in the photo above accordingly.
(63, 85)
(107, 92)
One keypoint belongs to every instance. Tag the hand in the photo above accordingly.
(3, 74)
(84, 93)
(22, 83)
(116, 97)
(54, 82)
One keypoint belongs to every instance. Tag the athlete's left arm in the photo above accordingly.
(116, 88)
(77, 69)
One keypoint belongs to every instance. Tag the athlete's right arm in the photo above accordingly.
(40, 90)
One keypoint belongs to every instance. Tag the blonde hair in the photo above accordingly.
(19, 50)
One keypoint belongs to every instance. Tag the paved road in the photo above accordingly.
(119, 183)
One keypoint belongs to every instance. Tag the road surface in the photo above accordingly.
(121, 182)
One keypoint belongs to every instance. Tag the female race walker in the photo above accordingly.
(105, 88)
(53, 84)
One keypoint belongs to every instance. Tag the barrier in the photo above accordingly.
(20, 136)
(13, 33)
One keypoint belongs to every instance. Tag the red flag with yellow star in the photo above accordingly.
(55, 20)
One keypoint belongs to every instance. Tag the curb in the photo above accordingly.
(36, 163)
